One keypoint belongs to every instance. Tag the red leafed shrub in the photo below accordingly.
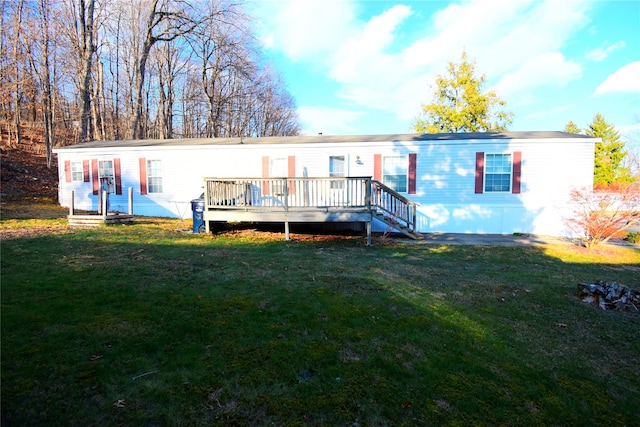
(602, 214)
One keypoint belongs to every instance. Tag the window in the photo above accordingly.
(278, 169)
(105, 172)
(105, 168)
(105, 175)
(336, 168)
(154, 176)
(77, 173)
(497, 175)
(394, 172)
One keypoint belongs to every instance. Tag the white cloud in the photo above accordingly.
(545, 69)
(623, 80)
(307, 30)
(555, 111)
(368, 44)
(516, 43)
(328, 121)
(600, 54)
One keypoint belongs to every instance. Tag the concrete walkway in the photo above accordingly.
(499, 240)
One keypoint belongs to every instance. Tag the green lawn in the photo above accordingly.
(140, 325)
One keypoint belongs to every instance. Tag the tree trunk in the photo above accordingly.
(87, 49)
(47, 109)
(16, 105)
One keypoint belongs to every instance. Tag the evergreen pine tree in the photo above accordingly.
(608, 154)
(459, 105)
(572, 128)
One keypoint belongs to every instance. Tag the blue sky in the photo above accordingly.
(365, 67)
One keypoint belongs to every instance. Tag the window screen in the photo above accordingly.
(497, 174)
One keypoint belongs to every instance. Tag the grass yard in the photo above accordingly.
(140, 325)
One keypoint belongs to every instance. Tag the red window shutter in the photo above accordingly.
(412, 173)
(291, 172)
(96, 179)
(143, 175)
(517, 172)
(118, 176)
(67, 171)
(86, 176)
(265, 174)
(479, 172)
(291, 165)
(377, 167)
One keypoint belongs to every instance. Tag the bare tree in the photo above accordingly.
(169, 65)
(86, 69)
(39, 52)
(166, 21)
(17, 67)
(224, 62)
(85, 49)
(239, 94)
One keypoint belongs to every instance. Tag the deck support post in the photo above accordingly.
(72, 203)
(104, 204)
(130, 210)
(308, 200)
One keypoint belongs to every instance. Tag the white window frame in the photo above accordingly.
(395, 167)
(77, 171)
(334, 161)
(278, 168)
(495, 171)
(154, 177)
(108, 173)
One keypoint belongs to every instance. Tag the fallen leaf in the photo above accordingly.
(95, 357)
(120, 403)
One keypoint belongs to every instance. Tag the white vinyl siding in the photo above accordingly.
(445, 177)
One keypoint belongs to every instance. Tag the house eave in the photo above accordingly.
(448, 138)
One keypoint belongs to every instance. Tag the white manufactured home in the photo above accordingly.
(494, 183)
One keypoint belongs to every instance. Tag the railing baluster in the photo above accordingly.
(330, 192)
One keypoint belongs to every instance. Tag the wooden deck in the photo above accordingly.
(335, 199)
(97, 220)
(103, 216)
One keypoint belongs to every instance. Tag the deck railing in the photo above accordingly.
(339, 193)
(287, 193)
(394, 206)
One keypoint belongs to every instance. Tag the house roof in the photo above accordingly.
(325, 139)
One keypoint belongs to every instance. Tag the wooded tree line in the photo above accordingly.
(83, 70)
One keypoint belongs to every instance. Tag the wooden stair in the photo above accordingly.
(97, 220)
(393, 223)
(394, 210)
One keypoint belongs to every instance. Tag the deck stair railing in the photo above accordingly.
(305, 193)
(394, 209)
